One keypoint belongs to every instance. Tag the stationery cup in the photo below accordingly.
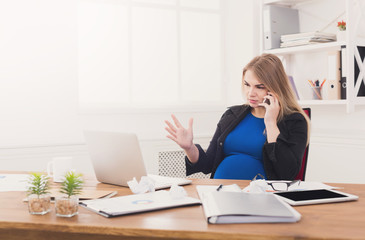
(317, 93)
(58, 167)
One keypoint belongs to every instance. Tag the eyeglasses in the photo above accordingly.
(282, 186)
(278, 186)
(258, 175)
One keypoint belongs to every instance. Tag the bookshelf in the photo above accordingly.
(301, 61)
(331, 46)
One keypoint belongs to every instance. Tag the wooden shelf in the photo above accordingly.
(319, 47)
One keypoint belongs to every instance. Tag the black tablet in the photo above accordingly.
(307, 197)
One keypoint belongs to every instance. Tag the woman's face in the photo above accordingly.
(253, 89)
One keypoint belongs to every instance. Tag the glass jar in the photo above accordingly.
(67, 206)
(39, 204)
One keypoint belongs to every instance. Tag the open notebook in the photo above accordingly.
(231, 205)
(117, 159)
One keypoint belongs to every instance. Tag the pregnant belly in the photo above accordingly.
(243, 167)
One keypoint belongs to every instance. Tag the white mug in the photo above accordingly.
(58, 167)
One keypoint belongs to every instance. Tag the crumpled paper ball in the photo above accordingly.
(145, 185)
(258, 186)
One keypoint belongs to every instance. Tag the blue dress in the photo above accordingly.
(243, 150)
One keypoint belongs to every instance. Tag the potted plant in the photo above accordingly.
(341, 33)
(39, 199)
(67, 204)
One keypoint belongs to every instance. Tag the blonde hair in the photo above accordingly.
(269, 69)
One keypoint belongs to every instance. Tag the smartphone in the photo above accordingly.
(267, 101)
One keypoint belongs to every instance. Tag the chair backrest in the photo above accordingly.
(303, 169)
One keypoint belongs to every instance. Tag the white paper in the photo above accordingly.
(13, 182)
(304, 185)
(201, 189)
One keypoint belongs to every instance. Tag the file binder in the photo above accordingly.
(278, 21)
(343, 81)
(332, 87)
(137, 203)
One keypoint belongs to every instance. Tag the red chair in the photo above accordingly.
(303, 169)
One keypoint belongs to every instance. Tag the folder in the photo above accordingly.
(277, 21)
(240, 207)
(292, 84)
(332, 88)
(343, 64)
(137, 203)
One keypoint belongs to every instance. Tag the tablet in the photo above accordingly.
(317, 196)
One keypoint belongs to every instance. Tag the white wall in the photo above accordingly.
(40, 118)
(38, 73)
(40, 113)
(337, 147)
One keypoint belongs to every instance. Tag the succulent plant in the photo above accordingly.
(38, 184)
(72, 185)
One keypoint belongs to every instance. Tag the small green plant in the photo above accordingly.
(38, 184)
(72, 185)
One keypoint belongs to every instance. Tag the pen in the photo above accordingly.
(219, 187)
(323, 83)
(311, 83)
(110, 195)
(317, 83)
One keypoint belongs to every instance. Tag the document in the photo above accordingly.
(137, 203)
(303, 185)
(240, 207)
(86, 194)
(13, 182)
(202, 189)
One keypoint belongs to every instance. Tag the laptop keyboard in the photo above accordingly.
(166, 182)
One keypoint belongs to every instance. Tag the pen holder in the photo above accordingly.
(317, 93)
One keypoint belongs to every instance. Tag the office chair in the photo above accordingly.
(303, 169)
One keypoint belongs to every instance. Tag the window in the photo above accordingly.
(150, 53)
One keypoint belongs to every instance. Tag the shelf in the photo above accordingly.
(318, 47)
(311, 17)
(323, 102)
(288, 3)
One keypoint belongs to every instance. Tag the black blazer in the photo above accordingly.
(282, 159)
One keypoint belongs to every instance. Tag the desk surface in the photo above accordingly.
(324, 221)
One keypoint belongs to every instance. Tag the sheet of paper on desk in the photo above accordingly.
(86, 194)
(212, 188)
(13, 182)
(310, 186)
(304, 185)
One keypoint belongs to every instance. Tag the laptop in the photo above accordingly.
(117, 159)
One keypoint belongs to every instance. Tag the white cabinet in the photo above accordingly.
(311, 61)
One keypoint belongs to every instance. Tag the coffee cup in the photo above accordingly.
(58, 167)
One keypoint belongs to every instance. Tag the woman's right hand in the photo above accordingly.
(183, 137)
